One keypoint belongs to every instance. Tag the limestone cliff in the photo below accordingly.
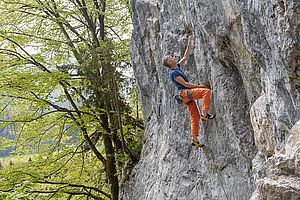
(249, 52)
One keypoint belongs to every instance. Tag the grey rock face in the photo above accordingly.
(249, 52)
(262, 126)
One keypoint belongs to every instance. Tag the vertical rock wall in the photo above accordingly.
(249, 52)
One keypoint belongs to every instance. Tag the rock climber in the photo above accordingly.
(188, 92)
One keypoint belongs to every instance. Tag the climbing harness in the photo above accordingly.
(179, 97)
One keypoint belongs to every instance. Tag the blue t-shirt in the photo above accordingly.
(174, 73)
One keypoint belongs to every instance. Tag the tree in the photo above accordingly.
(61, 93)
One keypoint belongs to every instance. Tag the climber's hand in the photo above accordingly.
(204, 86)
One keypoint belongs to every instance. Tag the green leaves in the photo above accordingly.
(63, 98)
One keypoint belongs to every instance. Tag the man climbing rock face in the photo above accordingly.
(189, 92)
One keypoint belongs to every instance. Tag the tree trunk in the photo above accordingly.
(110, 167)
(111, 170)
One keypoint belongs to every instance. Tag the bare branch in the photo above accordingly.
(91, 24)
(67, 192)
(72, 185)
(51, 13)
(90, 142)
(73, 153)
(33, 61)
(114, 32)
(37, 37)
(33, 119)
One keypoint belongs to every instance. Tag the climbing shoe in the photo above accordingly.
(207, 117)
(197, 144)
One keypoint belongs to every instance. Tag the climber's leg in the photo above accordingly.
(204, 94)
(194, 117)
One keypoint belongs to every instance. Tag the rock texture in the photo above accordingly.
(249, 52)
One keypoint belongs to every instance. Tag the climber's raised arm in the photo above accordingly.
(186, 53)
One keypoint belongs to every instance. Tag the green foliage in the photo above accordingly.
(65, 99)
(55, 175)
(19, 193)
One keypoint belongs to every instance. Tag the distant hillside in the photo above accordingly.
(6, 133)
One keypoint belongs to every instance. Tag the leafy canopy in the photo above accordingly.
(65, 99)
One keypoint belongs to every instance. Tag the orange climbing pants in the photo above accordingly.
(197, 93)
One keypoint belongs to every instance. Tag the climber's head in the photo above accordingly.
(169, 61)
